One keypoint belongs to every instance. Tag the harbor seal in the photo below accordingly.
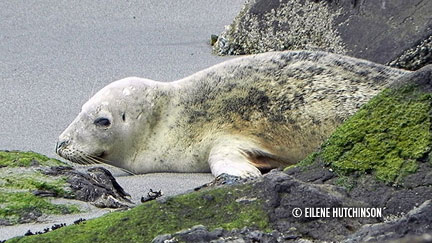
(239, 117)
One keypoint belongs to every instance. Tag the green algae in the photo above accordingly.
(214, 208)
(346, 182)
(20, 177)
(35, 180)
(387, 137)
(26, 159)
(310, 159)
(15, 207)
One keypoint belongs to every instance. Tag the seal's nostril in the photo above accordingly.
(61, 144)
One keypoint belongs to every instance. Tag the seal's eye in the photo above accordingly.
(102, 122)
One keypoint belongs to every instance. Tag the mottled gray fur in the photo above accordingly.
(289, 101)
(249, 113)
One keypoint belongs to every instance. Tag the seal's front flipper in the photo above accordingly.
(229, 159)
(240, 157)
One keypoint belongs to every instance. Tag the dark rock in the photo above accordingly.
(58, 170)
(200, 234)
(34, 162)
(96, 185)
(151, 195)
(5, 222)
(397, 33)
(79, 221)
(285, 194)
(315, 174)
(423, 177)
(213, 39)
(417, 222)
(163, 238)
(41, 193)
(29, 215)
(251, 235)
(424, 238)
(108, 201)
(402, 200)
(224, 179)
(415, 57)
(197, 234)
(46, 230)
(422, 78)
(58, 226)
(208, 197)
(415, 189)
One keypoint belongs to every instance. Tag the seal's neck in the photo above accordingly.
(168, 142)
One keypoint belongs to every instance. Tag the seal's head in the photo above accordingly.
(101, 133)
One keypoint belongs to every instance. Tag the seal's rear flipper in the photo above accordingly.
(240, 157)
(264, 161)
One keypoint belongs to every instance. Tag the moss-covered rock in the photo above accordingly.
(22, 185)
(382, 154)
(29, 182)
(33, 180)
(387, 137)
(214, 208)
(390, 137)
(26, 159)
(25, 207)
